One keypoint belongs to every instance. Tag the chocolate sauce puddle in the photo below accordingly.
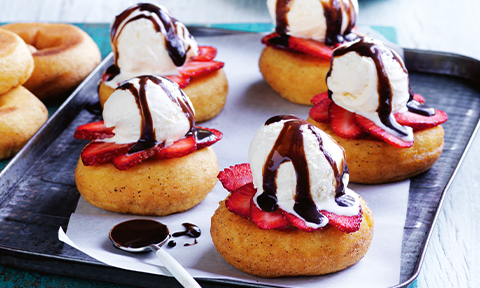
(191, 230)
(289, 147)
(139, 233)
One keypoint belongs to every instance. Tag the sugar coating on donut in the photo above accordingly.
(278, 253)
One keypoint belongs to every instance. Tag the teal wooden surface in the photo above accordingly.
(14, 277)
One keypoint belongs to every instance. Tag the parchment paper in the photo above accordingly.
(250, 103)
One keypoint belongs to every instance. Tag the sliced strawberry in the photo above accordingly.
(206, 53)
(178, 149)
(101, 152)
(419, 98)
(239, 201)
(372, 129)
(267, 220)
(347, 224)
(320, 97)
(94, 130)
(126, 161)
(197, 68)
(297, 222)
(420, 122)
(311, 47)
(207, 137)
(236, 176)
(343, 122)
(320, 112)
(182, 81)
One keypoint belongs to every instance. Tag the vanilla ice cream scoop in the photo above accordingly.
(148, 110)
(368, 78)
(300, 169)
(329, 21)
(147, 40)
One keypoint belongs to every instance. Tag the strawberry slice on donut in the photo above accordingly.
(420, 122)
(310, 47)
(206, 53)
(182, 81)
(239, 200)
(94, 130)
(375, 131)
(343, 122)
(100, 152)
(235, 177)
(197, 68)
(346, 224)
(267, 220)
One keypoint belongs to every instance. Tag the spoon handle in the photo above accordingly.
(176, 269)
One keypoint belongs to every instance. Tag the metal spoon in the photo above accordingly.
(143, 235)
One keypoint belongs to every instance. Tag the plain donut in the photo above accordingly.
(65, 56)
(21, 115)
(16, 62)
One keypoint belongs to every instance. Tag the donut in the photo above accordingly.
(208, 94)
(16, 62)
(296, 76)
(154, 187)
(372, 161)
(278, 253)
(21, 115)
(65, 56)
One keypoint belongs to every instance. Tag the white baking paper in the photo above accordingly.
(250, 103)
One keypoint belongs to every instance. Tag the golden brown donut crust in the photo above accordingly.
(276, 253)
(154, 187)
(297, 77)
(371, 161)
(208, 94)
(65, 56)
(21, 115)
(16, 61)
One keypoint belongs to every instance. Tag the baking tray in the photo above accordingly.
(38, 192)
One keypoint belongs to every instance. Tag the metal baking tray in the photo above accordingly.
(38, 192)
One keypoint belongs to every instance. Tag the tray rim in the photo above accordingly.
(13, 257)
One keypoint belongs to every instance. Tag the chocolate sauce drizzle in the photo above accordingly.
(176, 47)
(139, 233)
(191, 230)
(147, 135)
(332, 11)
(384, 110)
(289, 147)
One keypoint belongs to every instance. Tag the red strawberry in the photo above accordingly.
(320, 112)
(319, 98)
(236, 176)
(419, 98)
(297, 222)
(197, 68)
(347, 224)
(207, 137)
(372, 129)
(267, 220)
(178, 149)
(126, 161)
(239, 201)
(182, 81)
(343, 122)
(310, 47)
(101, 152)
(419, 122)
(94, 130)
(206, 53)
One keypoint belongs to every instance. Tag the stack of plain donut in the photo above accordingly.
(38, 60)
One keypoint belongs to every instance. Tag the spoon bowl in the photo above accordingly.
(142, 235)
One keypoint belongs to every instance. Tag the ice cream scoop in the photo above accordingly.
(329, 21)
(301, 170)
(148, 110)
(147, 40)
(368, 78)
